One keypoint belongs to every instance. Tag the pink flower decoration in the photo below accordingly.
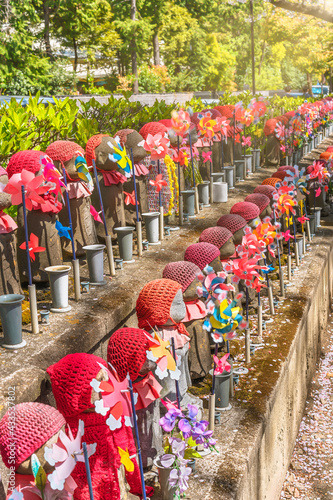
(95, 214)
(222, 364)
(157, 145)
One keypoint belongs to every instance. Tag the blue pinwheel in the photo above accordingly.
(63, 230)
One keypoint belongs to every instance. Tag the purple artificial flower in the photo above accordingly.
(192, 411)
(169, 420)
(179, 478)
(167, 460)
(178, 446)
(185, 427)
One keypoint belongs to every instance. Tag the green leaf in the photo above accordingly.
(191, 453)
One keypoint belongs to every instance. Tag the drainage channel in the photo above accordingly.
(310, 473)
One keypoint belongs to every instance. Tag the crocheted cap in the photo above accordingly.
(29, 426)
(91, 145)
(217, 235)
(269, 127)
(329, 149)
(70, 379)
(262, 201)
(266, 190)
(153, 128)
(183, 272)
(25, 160)
(214, 113)
(122, 134)
(166, 122)
(270, 181)
(283, 119)
(226, 111)
(127, 351)
(154, 302)
(326, 155)
(280, 174)
(201, 254)
(63, 150)
(245, 209)
(233, 222)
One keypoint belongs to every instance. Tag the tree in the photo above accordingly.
(309, 10)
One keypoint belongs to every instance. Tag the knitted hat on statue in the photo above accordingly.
(284, 168)
(70, 379)
(30, 160)
(226, 111)
(63, 150)
(201, 254)
(122, 134)
(266, 190)
(262, 201)
(233, 222)
(217, 236)
(245, 209)
(183, 272)
(127, 351)
(270, 181)
(280, 174)
(212, 112)
(270, 126)
(167, 122)
(154, 302)
(91, 145)
(153, 128)
(29, 426)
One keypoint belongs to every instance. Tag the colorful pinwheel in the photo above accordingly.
(286, 204)
(180, 122)
(120, 157)
(157, 145)
(206, 127)
(33, 246)
(181, 158)
(244, 269)
(225, 320)
(82, 169)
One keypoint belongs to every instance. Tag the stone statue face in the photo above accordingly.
(191, 291)
(5, 200)
(266, 212)
(25, 467)
(238, 236)
(132, 141)
(254, 222)
(147, 367)
(216, 265)
(102, 153)
(227, 250)
(96, 396)
(194, 135)
(178, 308)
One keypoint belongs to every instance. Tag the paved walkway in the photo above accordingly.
(310, 474)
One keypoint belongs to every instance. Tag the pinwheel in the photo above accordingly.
(82, 169)
(114, 399)
(63, 456)
(225, 319)
(251, 245)
(95, 214)
(221, 364)
(130, 198)
(158, 183)
(286, 204)
(33, 246)
(213, 287)
(286, 235)
(237, 138)
(206, 156)
(280, 131)
(180, 122)
(157, 145)
(120, 157)
(125, 459)
(63, 230)
(244, 269)
(53, 177)
(34, 187)
(318, 172)
(246, 141)
(7, 224)
(303, 219)
(159, 352)
(206, 127)
(181, 158)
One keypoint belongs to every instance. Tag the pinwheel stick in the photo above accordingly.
(86, 463)
(270, 292)
(280, 267)
(211, 402)
(211, 186)
(138, 222)
(161, 227)
(107, 236)
(31, 287)
(180, 196)
(259, 316)
(307, 224)
(75, 262)
(234, 139)
(177, 383)
(247, 331)
(196, 195)
(289, 254)
(144, 496)
(295, 243)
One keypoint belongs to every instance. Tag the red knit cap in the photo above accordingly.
(270, 181)
(262, 201)
(91, 145)
(29, 426)
(25, 160)
(283, 119)
(166, 122)
(154, 302)
(280, 174)
(183, 272)
(127, 351)
(329, 149)
(269, 127)
(266, 190)
(226, 111)
(70, 379)
(217, 236)
(122, 134)
(233, 222)
(215, 113)
(245, 209)
(201, 254)
(153, 128)
(63, 150)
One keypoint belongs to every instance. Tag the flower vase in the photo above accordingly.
(125, 242)
(11, 320)
(95, 258)
(167, 492)
(151, 220)
(189, 202)
(222, 389)
(203, 190)
(220, 192)
(58, 278)
(239, 165)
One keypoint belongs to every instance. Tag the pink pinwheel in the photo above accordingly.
(246, 141)
(95, 214)
(158, 183)
(302, 219)
(33, 189)
(130, 198)
(207, 156)
(317, 192)
(180, 122)
(63, 456)
(53, 177)
(319, 171)
(283, 148)
(33, 246)
(251, 246)
(115, 399)
(257, 284)
(181, 158)
(222, 364)
(280, 130)
(157, 145)
(287, 235)
(244, 269)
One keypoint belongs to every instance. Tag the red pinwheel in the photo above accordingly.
(251, 246)
(33, 189)
(158, 183)
(258, 284)
(237, 138)
(95, 214)
(130, 198)
(180, 122)
(206, 127)
(181, 158)
(207, 156)
(33, 246)
(287, 235)
(302, 219)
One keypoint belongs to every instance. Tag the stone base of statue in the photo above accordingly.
(9, 272)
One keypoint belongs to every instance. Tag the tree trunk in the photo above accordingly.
(156, 46)
(309, 80)
(75, 54)
(46, 13)
(310, 10)
(133, 51)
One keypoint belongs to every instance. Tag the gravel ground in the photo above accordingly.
(310, 473)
